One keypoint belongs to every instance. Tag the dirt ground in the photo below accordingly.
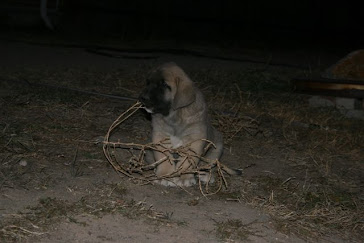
(303, 166)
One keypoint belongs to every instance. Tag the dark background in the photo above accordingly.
(222, 22)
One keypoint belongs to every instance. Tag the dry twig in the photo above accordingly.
(138, 169)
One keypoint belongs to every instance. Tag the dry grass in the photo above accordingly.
(305, 209)
(319, 193)
(233, 230)
(106, 198)
(313, 187)
(322, 151)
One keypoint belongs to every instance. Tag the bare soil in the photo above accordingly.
(303, 166)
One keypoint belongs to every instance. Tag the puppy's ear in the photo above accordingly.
(185, 94)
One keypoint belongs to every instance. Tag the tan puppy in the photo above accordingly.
(179, 115)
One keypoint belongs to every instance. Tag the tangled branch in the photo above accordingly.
(137, 168)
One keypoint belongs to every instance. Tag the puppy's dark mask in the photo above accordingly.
(153, 96)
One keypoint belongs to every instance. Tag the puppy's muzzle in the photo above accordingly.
(145, 100)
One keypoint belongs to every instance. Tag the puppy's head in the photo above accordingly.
(168, 87)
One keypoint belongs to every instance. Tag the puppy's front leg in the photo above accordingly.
(167, 167)
(190, 162)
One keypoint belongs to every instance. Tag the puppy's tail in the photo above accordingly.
(235, 172)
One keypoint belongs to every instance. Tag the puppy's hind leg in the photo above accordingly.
(212, 154)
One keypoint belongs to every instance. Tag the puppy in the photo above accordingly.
(179, 116)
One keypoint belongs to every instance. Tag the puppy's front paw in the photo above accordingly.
(183, 180)
(186, 180)
(164, 182)
(206, 177)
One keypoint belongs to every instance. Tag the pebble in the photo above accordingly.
(23, 162)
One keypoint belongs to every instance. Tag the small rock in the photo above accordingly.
(23, 162)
